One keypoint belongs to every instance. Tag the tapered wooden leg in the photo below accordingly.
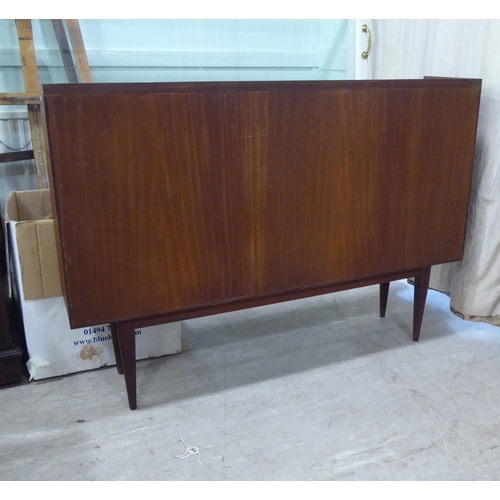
(116, 348)
(384, 293)
(126, 341)
(421, 287)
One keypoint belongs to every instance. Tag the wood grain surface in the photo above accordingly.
(175, 196)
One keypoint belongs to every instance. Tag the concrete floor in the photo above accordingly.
(316, 389)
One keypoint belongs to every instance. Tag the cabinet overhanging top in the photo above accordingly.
(263, 86)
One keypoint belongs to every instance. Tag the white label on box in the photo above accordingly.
(59, 350)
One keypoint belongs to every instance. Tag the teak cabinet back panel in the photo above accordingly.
(172, 196)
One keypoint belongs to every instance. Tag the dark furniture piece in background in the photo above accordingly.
(12, 353)
(179, 200)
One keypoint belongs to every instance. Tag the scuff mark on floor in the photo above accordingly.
(439, 429)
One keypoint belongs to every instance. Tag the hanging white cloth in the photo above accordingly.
(469, 49)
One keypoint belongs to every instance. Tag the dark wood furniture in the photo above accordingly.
(179, 200)
(11, 348)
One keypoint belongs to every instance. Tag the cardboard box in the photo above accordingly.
(54, 348)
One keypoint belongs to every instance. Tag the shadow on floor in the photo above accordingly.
(277, 341)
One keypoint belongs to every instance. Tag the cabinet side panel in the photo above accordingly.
(54, 201)
(173, 200)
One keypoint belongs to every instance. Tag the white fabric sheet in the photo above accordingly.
(458, 48)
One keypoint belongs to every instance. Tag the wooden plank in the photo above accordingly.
(34, 119)
(79, 54)
(31, 86)
(16, 156)
(39, 150)
(28, 58)
(17, 98)
(64, 48)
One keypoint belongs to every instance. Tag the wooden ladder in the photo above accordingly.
(77, 72)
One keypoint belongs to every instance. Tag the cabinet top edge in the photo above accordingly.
(75, 89)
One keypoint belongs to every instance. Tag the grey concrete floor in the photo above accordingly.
(316, 389)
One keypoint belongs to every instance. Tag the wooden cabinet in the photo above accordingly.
(178, 200)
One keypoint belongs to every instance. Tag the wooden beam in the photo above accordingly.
(15, 98)
(28, 58)
(39, 145)
(64, 48)
(16, 156)
(30, 77)
(79, 54)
